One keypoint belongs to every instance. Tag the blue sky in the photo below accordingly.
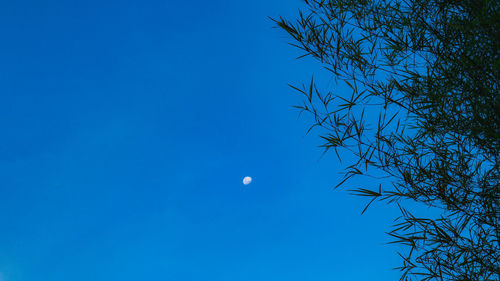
(127, 128)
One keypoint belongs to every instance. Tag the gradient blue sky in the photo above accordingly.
(127, 128)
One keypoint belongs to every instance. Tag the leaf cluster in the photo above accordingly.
(424, 112)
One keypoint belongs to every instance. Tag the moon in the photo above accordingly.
(247, 180)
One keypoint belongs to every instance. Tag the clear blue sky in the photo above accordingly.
(126, 128)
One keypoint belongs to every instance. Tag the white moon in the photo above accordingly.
(247, 180)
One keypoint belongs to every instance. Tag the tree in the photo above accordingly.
(423, 118)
